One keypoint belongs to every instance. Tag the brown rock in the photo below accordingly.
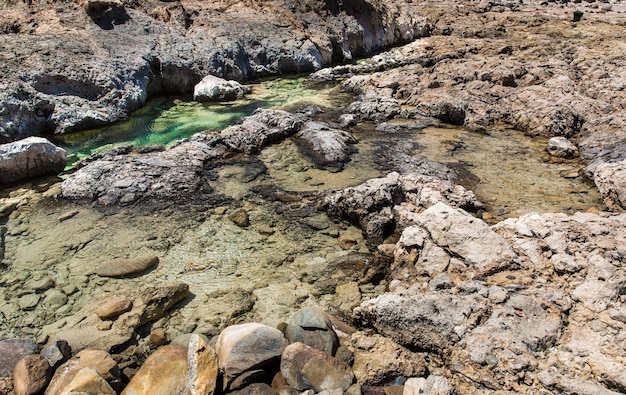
(100, 361)
(31, 375)
(114, 307)
(125, 267)
(203, 366)
(346, 242)
(12, 351)
(158, 337)
(164, 373)
(256, 389)
(87, 381)
(305, 367)
(240, 217)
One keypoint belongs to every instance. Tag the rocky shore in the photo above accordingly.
(189, 270)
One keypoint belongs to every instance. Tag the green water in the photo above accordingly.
(165, 120)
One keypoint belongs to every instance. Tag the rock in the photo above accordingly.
(12, 351)
(561, 147)
(466, 237)
(29, 158)
(213, 88)
(240, 218)
(29, 301)
(611, 181)
(164, 372)
(433, 385)
(241, 348)
(311, 326)
(100, 8)
(305, 367)
(203, 366)
(256, 389)
(31, 375)
(99, 361)
(57, 353)
(88, 381)
(114, 307)
(378, 360)
(328, 147)
(126, 267)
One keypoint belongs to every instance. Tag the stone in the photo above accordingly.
(126, 267)
(561, 147)
(12, 351)
(305, 367)
(379, 360)
(247, 346)
(468, 238)
(29, 301)
(31, 375)
(164, 372)
(88, 381)
(433, 385)
(203, 366)
(213, 88)
(327, 146)
(57, 353)
(114, 307)
(99, 361)
(311, 326)
(240, 218)
(610, 179)
(29, 158)
(256, 389)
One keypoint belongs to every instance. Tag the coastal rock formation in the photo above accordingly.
(329, 147)
(213, 88)
(93, 62)
(28, 158)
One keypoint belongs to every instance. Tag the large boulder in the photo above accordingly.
(99, 361)
(28, 158)
(213, 88)
(245, 349)
(164, 372)
(12, 351)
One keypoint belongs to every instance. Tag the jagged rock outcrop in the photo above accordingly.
(93, 62)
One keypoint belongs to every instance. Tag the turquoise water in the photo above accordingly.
(165, 120)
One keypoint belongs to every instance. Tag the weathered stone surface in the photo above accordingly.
(126, 267)
(305, 367)
(433, 385)
(31, 375)
(240, 217)
(468, 238)
(327, 146)
(378, 360)
(88, 381)
(256, 389)
(99, 361)
(164, 372)
(13, 350)
(312, 327)
(203, 366)
(245, 347)
(561, 147)
(114, 307)
(213, 88)
(29, 158)
(611, 181)
(57, 353)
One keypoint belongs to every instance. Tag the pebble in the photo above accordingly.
(114, 307)
(28, 301)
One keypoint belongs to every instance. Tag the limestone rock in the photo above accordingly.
(203, 366)
(28, 158)
(328, 147)
(378, 360)
(245, 347)
(611, 181)
(31, 375)
(164, 372)
(561, 147)
(468, 238)
(213, 88)
(305, 367)
(114, 307)
(126, 267)
(433, 385)
(99, 361)
(88, 381)
(12, 351)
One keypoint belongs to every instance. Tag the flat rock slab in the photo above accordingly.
(126, 267)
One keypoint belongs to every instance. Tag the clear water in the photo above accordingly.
(165, 120)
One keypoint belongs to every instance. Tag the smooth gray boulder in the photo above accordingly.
(327, 146)
(213, 88)
(29, 158)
